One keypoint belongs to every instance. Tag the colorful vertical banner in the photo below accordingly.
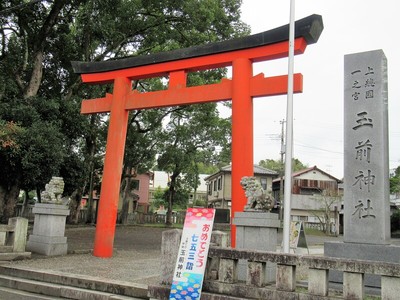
(192, 255)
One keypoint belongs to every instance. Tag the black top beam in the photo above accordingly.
(310, 28)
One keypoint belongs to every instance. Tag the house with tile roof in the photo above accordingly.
(219, 191)
(307, 201)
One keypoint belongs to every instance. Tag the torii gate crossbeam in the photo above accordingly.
(239, 53)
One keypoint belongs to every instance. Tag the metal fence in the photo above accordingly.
(133, 218)
(149, 218)
(136, 217)
(25, 212)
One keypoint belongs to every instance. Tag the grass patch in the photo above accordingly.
(312, 231)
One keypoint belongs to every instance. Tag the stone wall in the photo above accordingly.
(221, 280)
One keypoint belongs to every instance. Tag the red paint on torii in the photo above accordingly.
(241, 89)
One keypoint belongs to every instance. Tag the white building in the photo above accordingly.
(161, 179)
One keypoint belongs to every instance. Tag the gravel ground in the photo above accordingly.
(124, 265)
(136, 255)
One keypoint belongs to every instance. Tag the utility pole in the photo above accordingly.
(281, 173)
(289, 137)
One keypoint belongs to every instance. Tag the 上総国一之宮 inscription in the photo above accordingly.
(366, 170)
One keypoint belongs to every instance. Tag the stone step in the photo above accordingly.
(116, 289)
(55, 290)
(162, 292)
(5, 249)
(14, 256)
(8, 293)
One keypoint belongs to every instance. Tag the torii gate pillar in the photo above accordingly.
(242, 134)
(239, 53)
(110, 187)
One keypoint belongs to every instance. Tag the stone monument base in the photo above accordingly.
(257, 231)
(46, 245)
(48, 230)
(383, 253)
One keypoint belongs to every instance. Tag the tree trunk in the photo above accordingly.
(75, 207)
(168, 220)
(24, 205)
(3, 193)
(36, 77)
(126, 196)
(38, 54)
(90, 213)
(38, 195)
(89, 162)
(8, 201)
(171, 198)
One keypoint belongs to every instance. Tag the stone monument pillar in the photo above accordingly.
(256, 227)
(49, 225)
(366, 163)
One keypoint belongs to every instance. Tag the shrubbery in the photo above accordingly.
(395, 221)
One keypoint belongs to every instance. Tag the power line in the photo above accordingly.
(273, 137)
(317, 148)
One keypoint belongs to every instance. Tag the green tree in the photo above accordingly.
(39, 39)
(191, 134)
(9, 132)
(395, 182)
(217, 21)
(204, 168)
(323, 208)
(278, 166)
(159, 198)
(142, 146)
(26, 31)
(395, 221)
(40, 150)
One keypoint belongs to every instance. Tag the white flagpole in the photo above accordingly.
(289, 137)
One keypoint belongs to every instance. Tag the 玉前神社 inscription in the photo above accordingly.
(366, 168)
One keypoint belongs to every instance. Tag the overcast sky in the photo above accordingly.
(349, 27)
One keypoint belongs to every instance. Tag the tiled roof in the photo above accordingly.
(258, 170)
(298, 173)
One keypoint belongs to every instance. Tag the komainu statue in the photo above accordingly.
(257, 197)
(53, 192)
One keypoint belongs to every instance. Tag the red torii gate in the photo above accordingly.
(239, 53)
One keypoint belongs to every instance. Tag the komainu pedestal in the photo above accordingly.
(257, 231)
(49, 229)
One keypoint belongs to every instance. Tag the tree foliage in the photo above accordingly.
(395, 182)
(40, 149)
(9, 132)
(395, 221)
(159, 199)
(191, 136)
(278, 166)
(40, 95)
